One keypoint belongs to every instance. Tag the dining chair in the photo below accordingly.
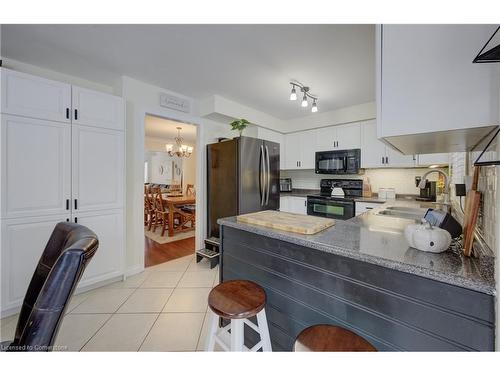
(160, 212)
(190, 190)
(149, 211)
(67, 253)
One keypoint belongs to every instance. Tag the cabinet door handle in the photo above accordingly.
(67, 113)
(382, 160)
(67, 219)
(387, 160)
(76, 114)
(76, 204)
(76, 220)
(67, 204)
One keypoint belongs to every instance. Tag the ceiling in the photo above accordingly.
(157, 127)
(250, 64)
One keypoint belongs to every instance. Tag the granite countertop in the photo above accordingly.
(299, 192)
(379, 240)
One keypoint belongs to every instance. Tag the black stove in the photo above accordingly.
(340, 207)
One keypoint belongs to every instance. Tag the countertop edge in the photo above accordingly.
(398, 266)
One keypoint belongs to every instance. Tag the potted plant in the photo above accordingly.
(239, 125)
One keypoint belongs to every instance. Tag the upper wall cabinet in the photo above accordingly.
(28, 95)
(340, 137)
(430, 96)
(300, 150)
(375, 154)
(98, 109)
(425, 160)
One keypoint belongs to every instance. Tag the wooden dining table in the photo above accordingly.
(171, 203)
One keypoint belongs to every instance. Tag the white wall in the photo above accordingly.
(403, 180)
(222, 109)
(141, 99)
(188, 164)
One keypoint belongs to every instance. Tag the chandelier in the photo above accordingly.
(182, 150)
(306, 94)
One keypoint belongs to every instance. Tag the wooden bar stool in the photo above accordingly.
(328, 338)
(237, 300)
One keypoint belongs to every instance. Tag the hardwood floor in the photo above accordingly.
(155, 253)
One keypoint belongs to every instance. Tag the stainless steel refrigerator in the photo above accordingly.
(243, 177)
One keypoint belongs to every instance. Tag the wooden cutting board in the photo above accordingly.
(288, 222)
(472, 201)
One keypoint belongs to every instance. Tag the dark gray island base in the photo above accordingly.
(393, 310)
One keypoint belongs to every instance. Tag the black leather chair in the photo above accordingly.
(67, 253)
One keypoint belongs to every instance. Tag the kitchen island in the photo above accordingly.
(362, 275)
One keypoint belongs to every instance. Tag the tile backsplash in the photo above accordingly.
(403, 180)
(461, 170)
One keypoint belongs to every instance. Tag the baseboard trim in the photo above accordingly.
(133, 271)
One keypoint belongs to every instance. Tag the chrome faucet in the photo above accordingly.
(446, 191)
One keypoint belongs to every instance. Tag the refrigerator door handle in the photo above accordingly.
(262, 178)
(268, 175)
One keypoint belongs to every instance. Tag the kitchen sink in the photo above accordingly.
(407, 209)
(404, 212)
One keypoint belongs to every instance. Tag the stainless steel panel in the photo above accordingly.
(250, 159)
(273, 201)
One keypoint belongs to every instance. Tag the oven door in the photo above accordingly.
(331, 208)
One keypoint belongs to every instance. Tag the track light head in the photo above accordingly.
(304, 101)
(293, 95)
(314, 107)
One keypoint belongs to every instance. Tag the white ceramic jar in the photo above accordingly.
(425, 237)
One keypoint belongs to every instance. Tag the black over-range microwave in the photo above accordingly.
(338, 162)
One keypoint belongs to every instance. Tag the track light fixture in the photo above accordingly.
(306, 95)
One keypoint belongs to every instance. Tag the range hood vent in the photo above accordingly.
(490, 53)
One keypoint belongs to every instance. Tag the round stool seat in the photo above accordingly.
(328, 338)
(237, 299)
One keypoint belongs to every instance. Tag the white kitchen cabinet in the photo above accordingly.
(362, 207)
(284, 206)
(31, 96)
(326, 138)
(98, 168)
(36, 167)
(23, 241)
(395, 159)
(430, 96)
(425, 160)
(54, 170)
(97, 109)
(372, 150)
(108, 261)
(293, 204)
(270, 135)
(339, 137)
(376, 154)
(292, 150)
(300, 150)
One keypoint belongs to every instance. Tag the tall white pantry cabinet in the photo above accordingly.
(62, 158)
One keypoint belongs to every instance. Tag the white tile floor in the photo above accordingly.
(163, 308)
